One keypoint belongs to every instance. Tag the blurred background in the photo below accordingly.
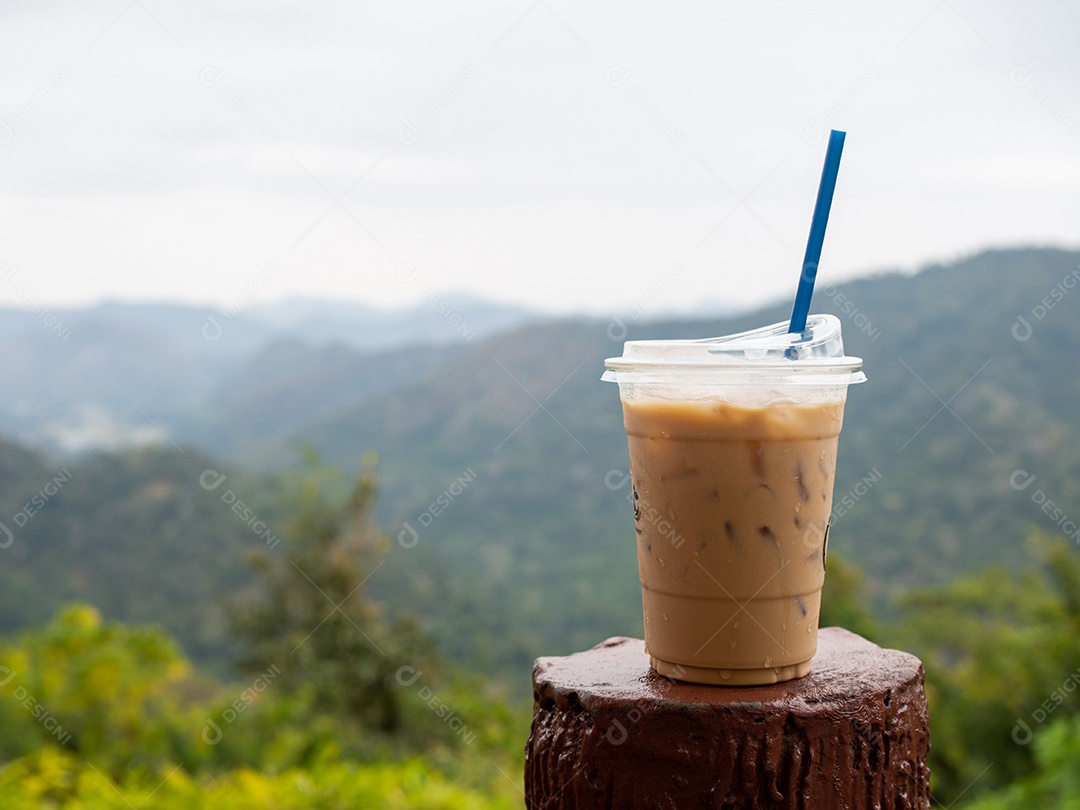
(305, 453)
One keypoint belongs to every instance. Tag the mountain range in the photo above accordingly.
(502, 459)
(123, 375)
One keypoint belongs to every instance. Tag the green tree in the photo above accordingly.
(101, 689)
(50, 778)
(307, 614)
(1055, 782)
(996, 646)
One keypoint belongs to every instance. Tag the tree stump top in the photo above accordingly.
(609, 732)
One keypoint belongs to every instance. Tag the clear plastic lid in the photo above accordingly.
(769, 355)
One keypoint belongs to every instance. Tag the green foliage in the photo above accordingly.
(98, 688)
(51, 778)
(307, 615)
(339, 707)
(999, 649)
(1055, 782)
(91, 711)
(134, 534)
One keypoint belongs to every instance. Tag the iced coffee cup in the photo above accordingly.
(732, 456)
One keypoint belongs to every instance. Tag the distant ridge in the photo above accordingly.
(174, 360)
(503, 459)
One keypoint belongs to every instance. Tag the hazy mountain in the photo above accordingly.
(502, 460)
(437, 319)
(118, 375)
(291, 382)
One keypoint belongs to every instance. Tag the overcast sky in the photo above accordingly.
(572, 157)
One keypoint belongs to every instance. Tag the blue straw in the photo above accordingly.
(817, 232)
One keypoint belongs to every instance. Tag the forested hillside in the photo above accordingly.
(501, 466)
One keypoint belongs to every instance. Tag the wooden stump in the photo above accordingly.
(608, 732)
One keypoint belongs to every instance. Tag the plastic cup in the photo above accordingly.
(733, 446)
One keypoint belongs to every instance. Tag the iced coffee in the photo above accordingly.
(732, 456)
